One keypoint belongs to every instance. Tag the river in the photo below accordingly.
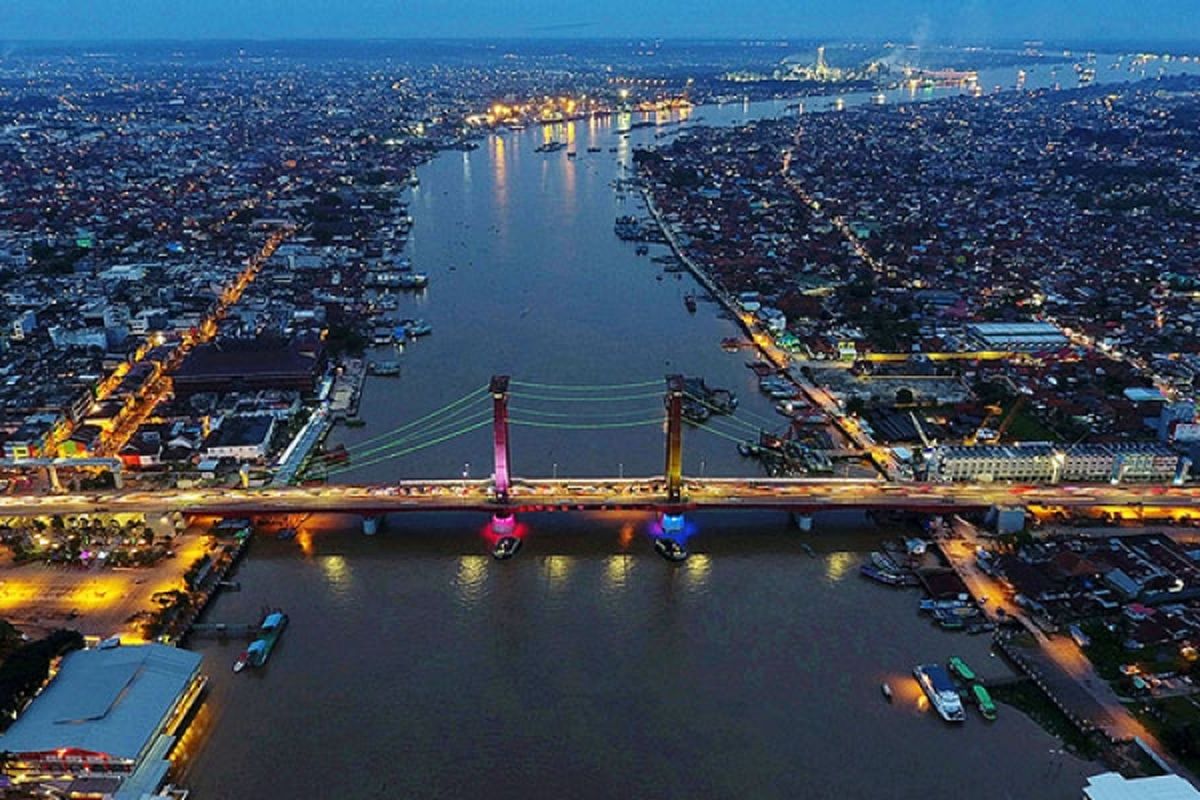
(418, 667)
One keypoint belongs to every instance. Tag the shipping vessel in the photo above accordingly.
(260, 649)
(940, 690)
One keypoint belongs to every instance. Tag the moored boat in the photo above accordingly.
(887, 691)
(940, 690)
(983, 699)
(269, 631)
(960, 668)
(882, 576)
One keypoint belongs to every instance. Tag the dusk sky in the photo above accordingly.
(950, 20)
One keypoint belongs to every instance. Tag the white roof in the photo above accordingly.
(1112, 786)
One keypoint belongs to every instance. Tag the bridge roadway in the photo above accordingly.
(799, 495)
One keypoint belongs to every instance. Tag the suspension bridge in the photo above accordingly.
(505, 403)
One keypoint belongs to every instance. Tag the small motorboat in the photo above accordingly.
(242, 661)
(887, 691)
(670, 549)
(506, 547)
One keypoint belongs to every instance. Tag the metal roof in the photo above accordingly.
(105, 701)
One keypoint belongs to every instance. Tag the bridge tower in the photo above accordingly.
(502, 480)
(674, 468)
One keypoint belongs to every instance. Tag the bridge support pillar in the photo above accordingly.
(371, 523)
(55, 483)
(501, 477)
(118, 477)
(802, 521)
(674, 466)
(1008, 519)
(503, 523)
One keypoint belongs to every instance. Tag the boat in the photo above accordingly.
(807, 548)
(938, 687)
(641, 250)
(570, 154)
(413, 280)
(259, 651)
(887, 691)
(670, 549)
(389, 368)
(689, 300)
(983, 699)
(882, 576)
(413, 180)
(506, 547)
(960, 668)
(593, 149)
(884, 562)
(416, 327)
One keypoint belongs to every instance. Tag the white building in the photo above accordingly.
(1113, 786)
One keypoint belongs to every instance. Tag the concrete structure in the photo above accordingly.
(499, 391)
(674, 471)
(1119, 462)
(1113, 786)
(1028, 463)
(1030, 337)
(1043, 463)
(241, 438)
(109, 716)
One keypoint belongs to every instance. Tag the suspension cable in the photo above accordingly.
(614, 399)
(473, 395)
(408, 450)
(592, 427)
(583, 387)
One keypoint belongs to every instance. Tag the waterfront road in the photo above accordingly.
(798, 495)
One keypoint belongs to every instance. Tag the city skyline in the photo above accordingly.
(1153, 21)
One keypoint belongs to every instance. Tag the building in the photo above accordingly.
(1026, 463)
(1113, 786)
(1024, 337)
(1126, 461)
(241, 438)
(248, 366)
(109, 718)
(1149, 462)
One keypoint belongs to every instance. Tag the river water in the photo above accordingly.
(418, 667)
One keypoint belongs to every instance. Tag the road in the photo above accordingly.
(1109, 714)
(800, 495)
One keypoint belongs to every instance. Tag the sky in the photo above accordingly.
(959, 21)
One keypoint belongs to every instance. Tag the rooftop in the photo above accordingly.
(105, 701)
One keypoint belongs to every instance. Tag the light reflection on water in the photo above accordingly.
(558, 569)
(837, 565)
(616, 572)
(470, 580)
(695, 571)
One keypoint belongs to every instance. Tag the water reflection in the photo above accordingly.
(616, 572)
(336, 571)
(695, 571)
(837, 565)
(469, 582)
(558, 569)
(499, 167)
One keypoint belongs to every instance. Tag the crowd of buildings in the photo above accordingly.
(1037, 247)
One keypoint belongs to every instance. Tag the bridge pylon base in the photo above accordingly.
(802, 521)
(371, 523)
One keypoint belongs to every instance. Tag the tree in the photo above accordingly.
(904, 397)
(856, 406)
